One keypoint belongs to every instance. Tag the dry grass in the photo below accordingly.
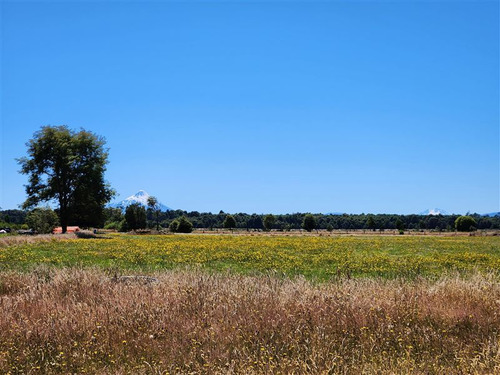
(76, 321)
(27, 239)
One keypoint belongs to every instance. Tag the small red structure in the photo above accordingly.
(58, 230)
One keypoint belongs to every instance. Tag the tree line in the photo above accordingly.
(208, 220)
(138, 217)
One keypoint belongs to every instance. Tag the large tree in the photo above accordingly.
(67, 167)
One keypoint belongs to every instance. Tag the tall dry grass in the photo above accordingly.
(84, 321)
(25, 239)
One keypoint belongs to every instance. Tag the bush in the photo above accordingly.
(123, 226)
(116, 225)
(465, 224)
(85, 234)
(42, 220)
(174, 225)
(181, 225)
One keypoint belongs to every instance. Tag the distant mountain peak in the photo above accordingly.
(141, 198)
(434, 211)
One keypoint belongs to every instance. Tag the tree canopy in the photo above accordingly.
(67, 167)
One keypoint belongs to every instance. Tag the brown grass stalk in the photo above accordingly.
(24, 239)
(83, 321)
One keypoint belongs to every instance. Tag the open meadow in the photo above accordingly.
(250, 304)
(315, 257)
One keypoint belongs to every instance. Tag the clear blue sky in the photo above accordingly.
(272, 106)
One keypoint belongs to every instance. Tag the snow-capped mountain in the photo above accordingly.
(141, 197)
(434, 211)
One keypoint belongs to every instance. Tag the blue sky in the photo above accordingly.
(272, 106)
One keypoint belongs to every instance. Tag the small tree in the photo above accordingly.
(370, 223)
(135, 216)
(269, 222)
(155, 208)
(229, 222)
(181, 225)
(309, 222)
(174, 225)
(465, 224)
(399, 224)
(42, 220)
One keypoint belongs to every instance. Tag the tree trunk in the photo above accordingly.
(64, 218)
(64, 222)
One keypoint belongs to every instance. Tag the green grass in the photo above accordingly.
(313, 257)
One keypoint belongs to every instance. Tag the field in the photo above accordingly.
(250, 304)
(314, 257)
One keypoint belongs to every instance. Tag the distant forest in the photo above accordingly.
(323, 221)
(207, 220)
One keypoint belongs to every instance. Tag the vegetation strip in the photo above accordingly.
(314, 257)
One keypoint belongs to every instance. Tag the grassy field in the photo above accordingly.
(313, 257)
(222, 304)
(69, 321)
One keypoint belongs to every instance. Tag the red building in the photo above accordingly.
(58, 230)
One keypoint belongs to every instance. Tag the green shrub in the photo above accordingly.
(465, 224)
(181, 225)
(174, 225)
(42, 220)
(116, 225)
(85, 234)
(123, 226)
